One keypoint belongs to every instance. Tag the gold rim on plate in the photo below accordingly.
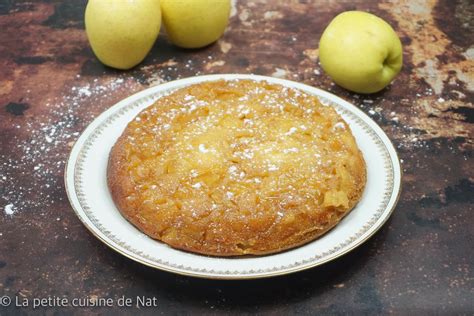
(74, 172)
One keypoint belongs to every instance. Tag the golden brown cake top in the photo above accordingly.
(236, 167)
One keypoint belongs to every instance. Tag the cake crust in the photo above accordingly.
(236, 167)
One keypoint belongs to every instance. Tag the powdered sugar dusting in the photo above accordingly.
(44, 144)
(9, 209)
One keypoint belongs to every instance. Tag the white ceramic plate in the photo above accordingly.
(87, 190)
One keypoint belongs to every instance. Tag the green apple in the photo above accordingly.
(360, 52)
(195, 23)
(121, 33)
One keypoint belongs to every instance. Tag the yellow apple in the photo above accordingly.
(195, 23)
(122, 32)
(360, 52)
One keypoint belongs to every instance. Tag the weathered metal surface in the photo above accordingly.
(51, 87)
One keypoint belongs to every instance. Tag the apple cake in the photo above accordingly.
(236, 167)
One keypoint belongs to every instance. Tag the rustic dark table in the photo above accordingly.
(52, 86)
